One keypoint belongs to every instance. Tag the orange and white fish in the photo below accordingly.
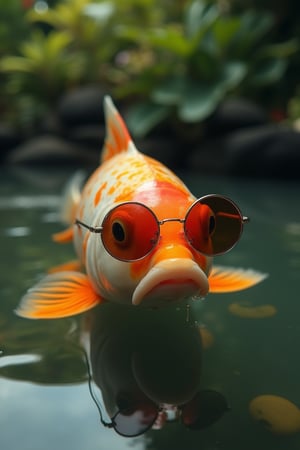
(140, 235)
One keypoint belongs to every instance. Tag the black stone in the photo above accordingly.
(9, 138)
(235, 114)
(90, 136)
(82, 106)
(51, 150)
(267, 151)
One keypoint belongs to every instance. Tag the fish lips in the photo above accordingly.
(171, 281)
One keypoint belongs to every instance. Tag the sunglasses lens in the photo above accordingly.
(206, 408)
(213, 225)
(130, 231)
(133, 422)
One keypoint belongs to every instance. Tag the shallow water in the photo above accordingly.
(45, 402)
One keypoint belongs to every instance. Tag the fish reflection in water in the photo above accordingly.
(148, 368)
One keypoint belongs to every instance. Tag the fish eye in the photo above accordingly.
(211, 224)
(118, 231)
(129, 231)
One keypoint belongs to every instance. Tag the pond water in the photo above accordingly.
(44, 394)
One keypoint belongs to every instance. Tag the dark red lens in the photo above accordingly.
(213, 225)
(135, 421)
(130, 231)
(206, 408)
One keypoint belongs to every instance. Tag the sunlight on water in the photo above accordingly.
(18, 359)
(250, 338)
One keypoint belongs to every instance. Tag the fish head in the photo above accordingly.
(144, 255)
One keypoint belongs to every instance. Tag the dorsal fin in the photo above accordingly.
(117, 139)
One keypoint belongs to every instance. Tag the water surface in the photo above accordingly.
(45, 402)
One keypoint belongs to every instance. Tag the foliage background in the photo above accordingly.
(169, 61)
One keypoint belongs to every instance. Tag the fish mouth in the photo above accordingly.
(171, 281)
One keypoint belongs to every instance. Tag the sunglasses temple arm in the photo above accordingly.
(244, 219)
(90, 380)
(92, 229)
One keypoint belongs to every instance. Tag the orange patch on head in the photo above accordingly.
(139, 268)
(122, 174)
(112, 190)
(125, 195)
(98, 195)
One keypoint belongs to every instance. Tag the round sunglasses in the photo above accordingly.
(135, 419)
(212, 226)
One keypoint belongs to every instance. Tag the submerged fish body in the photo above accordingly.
(140, 235)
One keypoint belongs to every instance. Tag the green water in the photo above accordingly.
(44, 397)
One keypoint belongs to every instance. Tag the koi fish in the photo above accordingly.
(141, 237)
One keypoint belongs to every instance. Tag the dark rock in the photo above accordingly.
(268, 151)
(50, 150)
(208, 157)
(50, 124)
(82, 106)
(234, 114)
(90, 136)
(165, 150)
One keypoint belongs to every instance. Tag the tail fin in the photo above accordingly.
(117, 136)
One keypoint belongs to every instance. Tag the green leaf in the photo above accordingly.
(199, 102)
(142, 117)
(253, 26)
(201, 99)
(170, 92)
(15, 64)
(199, 17)
(256, 24)
(169, 38)
(224, 31)
(232, 74)
(280, 50)
(269, 72)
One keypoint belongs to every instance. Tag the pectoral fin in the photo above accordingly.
(230, 279)
(73, 265)
(58, 295)
(64, 237)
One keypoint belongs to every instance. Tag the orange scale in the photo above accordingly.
(99, 193)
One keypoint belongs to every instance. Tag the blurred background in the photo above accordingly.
(210, 88)
(208, 85)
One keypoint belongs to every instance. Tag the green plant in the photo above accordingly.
(42, 70)
(197, 63)
(13, 27)
(174, 60)
(82, 47)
